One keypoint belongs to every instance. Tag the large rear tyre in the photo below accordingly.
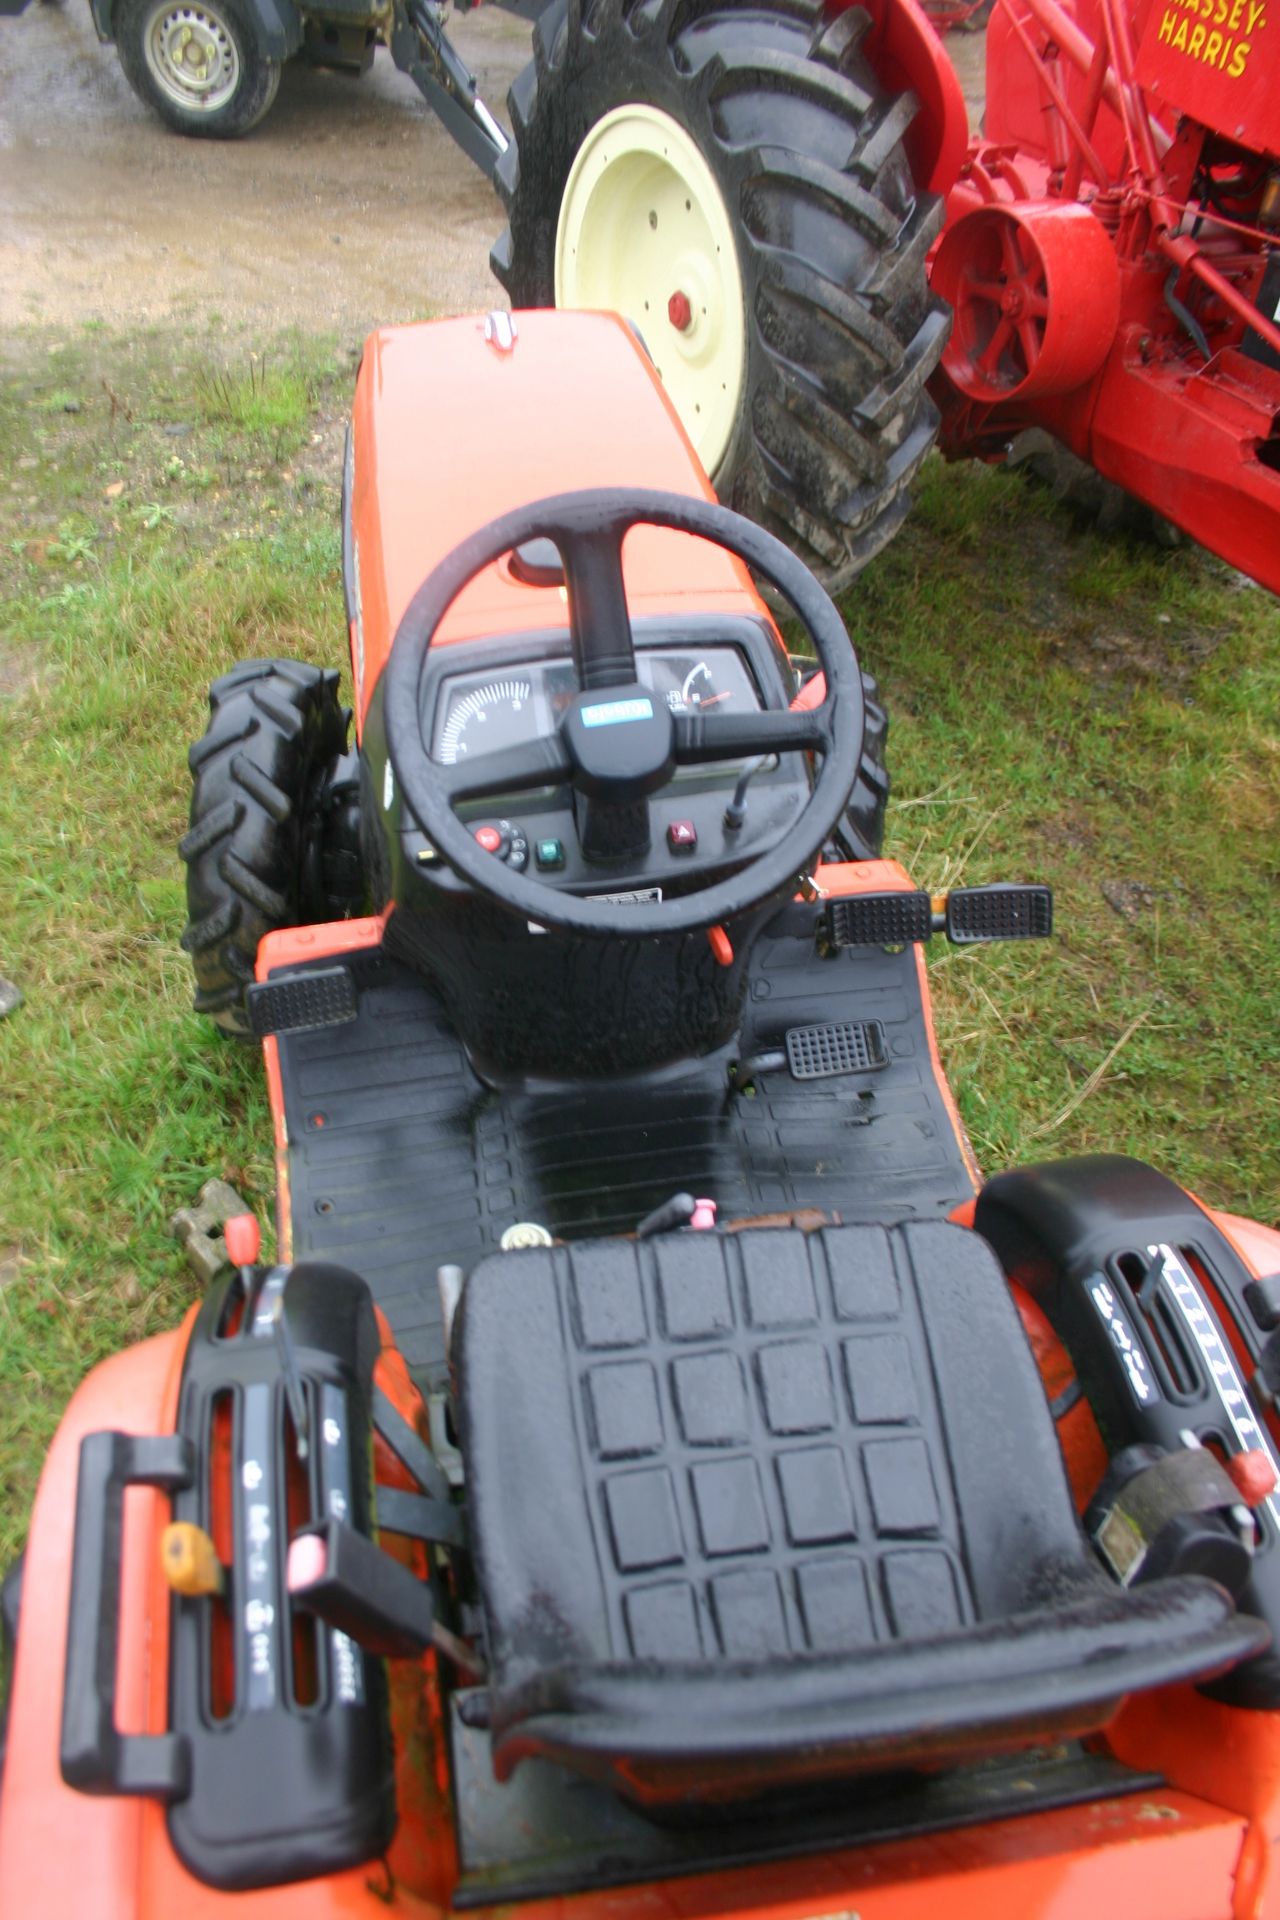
(263, 780)
(731, 177)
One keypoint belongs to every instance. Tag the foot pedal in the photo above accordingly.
(325, 998)
(842, 1046)
(999, 913)
(880, 920)
(968, 916)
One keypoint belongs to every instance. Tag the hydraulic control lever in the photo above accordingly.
(352, 1585)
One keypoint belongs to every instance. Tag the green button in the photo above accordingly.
(549, 853)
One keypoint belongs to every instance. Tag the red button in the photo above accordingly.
(489, 838)
(682, 836)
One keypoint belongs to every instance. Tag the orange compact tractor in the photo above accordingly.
(655, 1474)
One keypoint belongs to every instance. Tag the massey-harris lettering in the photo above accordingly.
(1184, 26)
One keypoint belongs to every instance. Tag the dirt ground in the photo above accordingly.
(348, 206)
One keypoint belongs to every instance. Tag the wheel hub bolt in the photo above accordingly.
(679, 311)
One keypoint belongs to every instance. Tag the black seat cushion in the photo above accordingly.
(751, 1508)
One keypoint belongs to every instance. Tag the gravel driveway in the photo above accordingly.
(348, 206)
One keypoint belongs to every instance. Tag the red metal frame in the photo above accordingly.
(1163, 401)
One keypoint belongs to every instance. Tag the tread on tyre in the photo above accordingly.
(275, 727)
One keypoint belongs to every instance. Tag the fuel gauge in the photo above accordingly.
(698, 691)
(706, 681)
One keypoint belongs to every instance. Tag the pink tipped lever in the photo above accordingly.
(244, 1238)
(307, 1562)
(704, 1215)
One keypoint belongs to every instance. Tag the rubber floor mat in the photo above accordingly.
(401, 1160)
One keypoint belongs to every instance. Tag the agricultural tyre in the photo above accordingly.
(731, 178)
(199, 64)
(862, 829)
(1095, 501)
(272, 824)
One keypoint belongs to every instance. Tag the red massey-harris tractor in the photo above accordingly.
(656, 1475)
(756, 187)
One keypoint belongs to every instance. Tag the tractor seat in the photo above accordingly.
(761, 1509)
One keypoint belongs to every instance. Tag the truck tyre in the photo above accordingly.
(261, 777)
(199, 63)
(731, 177)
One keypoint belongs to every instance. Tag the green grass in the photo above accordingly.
(115, 1102)
(260, 397)
(1088, 712)
(1106, 717)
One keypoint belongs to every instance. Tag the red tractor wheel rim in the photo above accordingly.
(1035, 291)
(1002, 310)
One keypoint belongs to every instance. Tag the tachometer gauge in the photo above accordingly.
(485, 719)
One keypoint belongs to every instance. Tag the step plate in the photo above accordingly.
(323, 998)
(400, 1159)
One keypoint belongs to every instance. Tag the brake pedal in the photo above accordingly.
(880, 920)
(969, 916)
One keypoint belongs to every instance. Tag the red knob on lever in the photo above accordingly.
(244, 1239)
(1252, 1475)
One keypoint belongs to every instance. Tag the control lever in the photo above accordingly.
(293, 1388)
(243, 1238)
(349, 1583)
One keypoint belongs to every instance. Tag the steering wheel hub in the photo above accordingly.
(621, 744)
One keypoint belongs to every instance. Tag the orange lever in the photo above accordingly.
(190, 1560)
(720, 945)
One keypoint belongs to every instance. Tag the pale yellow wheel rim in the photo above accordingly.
(191, 56)
(641, 222)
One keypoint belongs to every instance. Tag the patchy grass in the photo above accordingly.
(1093, 713)
(143, 550)
(260, 397)
(1104, 716)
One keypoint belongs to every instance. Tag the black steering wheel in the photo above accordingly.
(616, 743)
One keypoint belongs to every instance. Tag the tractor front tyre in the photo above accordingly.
(730, 176)
(261, 777)
(199, 64)
(862, 829)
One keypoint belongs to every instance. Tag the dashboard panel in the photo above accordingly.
(487, 711)
(517, 688)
